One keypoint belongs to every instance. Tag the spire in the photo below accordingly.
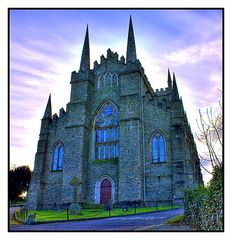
(175, 89)
(85, 57)
(169, 80)
(131, 50)
(48, 110)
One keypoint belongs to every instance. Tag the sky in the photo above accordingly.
(46, 46)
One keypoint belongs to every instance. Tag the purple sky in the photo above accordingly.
(46, 45)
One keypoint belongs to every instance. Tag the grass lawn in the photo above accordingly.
(51, 215)
(177, 220)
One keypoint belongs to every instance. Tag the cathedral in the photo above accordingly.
(120, 138)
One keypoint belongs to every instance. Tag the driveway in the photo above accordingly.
(140, 222)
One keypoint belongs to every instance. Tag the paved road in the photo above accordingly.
(142, 222)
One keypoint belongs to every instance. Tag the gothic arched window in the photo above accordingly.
(115, 79)
(107, 133)
(57, 158)
(158, 148)
(108, 79)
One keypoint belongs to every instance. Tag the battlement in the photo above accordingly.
(62, 113)
(80, 76)
(162, 91)
(56, 118)
(112, 56)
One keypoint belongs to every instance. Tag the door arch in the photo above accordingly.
(104, 190)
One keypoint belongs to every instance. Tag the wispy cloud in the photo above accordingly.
(45, 47)
(195, 54)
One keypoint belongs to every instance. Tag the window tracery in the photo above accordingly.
(58, 155)
(158, 148)
(107, 133)
(108, 79)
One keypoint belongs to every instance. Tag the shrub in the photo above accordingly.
(204, 205)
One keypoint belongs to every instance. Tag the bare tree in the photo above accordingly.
(210, 134)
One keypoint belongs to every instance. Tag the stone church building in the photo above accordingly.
(122, 139)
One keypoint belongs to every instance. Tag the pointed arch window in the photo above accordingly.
(58, 155)
(158, 148)
(107, 133)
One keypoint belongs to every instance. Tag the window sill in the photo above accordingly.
(106, 161)
(158, 162)
(56, 170)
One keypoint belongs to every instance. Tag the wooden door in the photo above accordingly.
(106, 191)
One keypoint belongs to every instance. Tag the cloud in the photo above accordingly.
(195, 54)
(45, 47)
(39, 65)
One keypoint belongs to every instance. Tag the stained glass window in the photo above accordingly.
(155, 150)
(107, 133)
(58, 155)
(107, 151)
(162, 150)
(112, 151)
(101, 156)
(116, 150)
(158, 148)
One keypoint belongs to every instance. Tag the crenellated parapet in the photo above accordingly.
(80, 76)
(62, 113)
(162, 91)
(112, 57)
(56, 118)
(123, 66)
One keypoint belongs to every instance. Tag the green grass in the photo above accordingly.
(19, 202)
(46, 216)
(177, 220)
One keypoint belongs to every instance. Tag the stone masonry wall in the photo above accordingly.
(158, 176)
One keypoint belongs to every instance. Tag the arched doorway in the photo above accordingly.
(105, 191)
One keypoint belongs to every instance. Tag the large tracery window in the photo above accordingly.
(107, 133)
(58, 155)
(158, 148)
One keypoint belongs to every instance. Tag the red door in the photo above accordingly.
(105, 192)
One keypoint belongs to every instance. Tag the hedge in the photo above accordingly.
(204, 205)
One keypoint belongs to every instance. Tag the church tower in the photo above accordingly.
(131, 161)
(77, 126)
